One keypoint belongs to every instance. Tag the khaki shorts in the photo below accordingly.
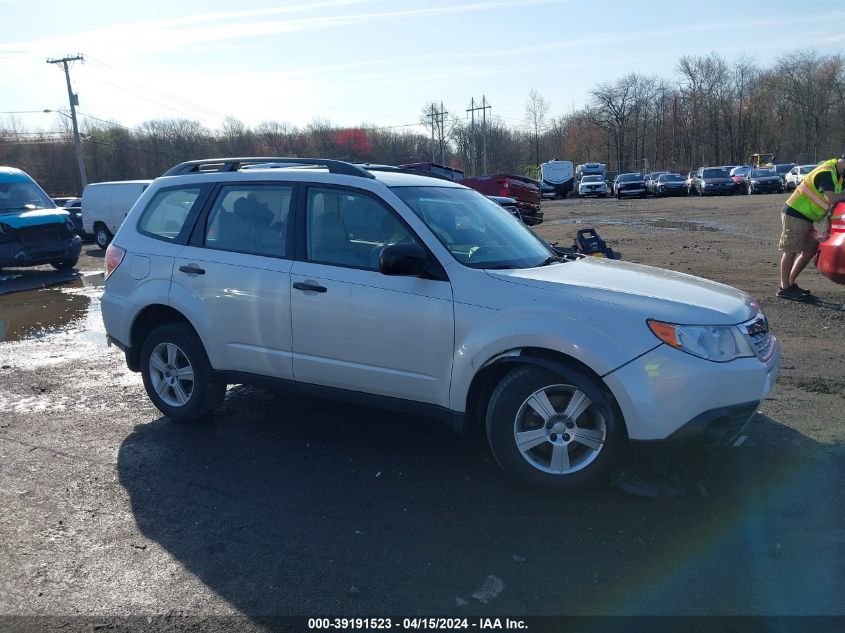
(797, 235)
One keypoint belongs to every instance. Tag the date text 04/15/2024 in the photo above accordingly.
(415, 624)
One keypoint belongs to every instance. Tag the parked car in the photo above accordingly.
(830, 259)
(712, 181)
(631, 184)
(74, 207)
(796, 175)
(106, 204)
(452, 173)
(651, 180)
(417, 294)
(547, 192)
(670, 185)
(592, 186)
(525, 190)
(508, 204)
(782, 169)
(33, 230)
(762, 181)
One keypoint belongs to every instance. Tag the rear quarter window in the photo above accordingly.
(166, 214)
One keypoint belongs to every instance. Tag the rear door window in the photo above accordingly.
(252, 219)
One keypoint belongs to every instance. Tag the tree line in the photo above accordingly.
(711, 112)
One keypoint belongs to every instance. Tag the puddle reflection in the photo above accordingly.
(35, 314)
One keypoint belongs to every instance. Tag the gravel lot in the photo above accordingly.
(281, 505)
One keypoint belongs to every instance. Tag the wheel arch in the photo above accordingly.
(148, 319)
(488, 376)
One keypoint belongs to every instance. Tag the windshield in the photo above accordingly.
(23, 196)
(629, 177)
(782, 169)
(671, 178)
(475, 230)
(592, 179)
(757, 173)
(714, 173)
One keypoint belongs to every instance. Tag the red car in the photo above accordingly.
(525, 190)
(830, 259)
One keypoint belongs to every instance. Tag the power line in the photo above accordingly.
(166, 95)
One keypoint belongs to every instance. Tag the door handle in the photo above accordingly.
(192, 269)
(309, 286)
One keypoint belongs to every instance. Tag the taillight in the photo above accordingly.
(503, 184)
(114, 255)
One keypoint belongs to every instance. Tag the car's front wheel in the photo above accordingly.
(554, 431)
(177, 375)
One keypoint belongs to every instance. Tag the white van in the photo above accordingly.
(106, 204)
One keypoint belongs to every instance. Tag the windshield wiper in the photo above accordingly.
(553, 259)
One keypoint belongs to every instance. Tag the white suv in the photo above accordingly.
(419, 294)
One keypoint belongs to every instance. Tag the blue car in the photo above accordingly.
(33, 231)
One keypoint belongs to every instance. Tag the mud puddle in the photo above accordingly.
(657, 223)
(38, 314)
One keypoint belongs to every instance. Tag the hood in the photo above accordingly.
(652, 292)
(24, 219)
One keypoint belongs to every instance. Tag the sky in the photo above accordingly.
(375, 62)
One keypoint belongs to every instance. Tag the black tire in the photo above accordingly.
(102, 236)
(505, 405)
(65, 264)
(207, 393)
(604, 195)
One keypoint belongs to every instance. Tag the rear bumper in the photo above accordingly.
(632, 192)
(17, 254)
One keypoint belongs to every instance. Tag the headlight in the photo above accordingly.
(718, 343)
(4, 229)
(69, 224)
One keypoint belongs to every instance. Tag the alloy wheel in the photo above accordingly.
(171, 374)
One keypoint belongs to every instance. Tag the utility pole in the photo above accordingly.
(74, 101)
(471, 110)
(442, 139)
(485, 105)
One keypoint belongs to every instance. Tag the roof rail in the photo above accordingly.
(209, 165)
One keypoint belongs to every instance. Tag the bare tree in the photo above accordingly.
(536, 109)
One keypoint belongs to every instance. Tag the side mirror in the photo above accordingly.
(403, 259)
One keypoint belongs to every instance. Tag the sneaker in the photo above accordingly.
(792, 294)
(803, 291)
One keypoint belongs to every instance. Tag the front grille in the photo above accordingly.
(761, 337)
(44, 233)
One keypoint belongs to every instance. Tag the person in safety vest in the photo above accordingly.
(811, 202)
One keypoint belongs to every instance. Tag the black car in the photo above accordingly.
(763, 181)
(712, 181)
(527, 216)
(669, 185)
(632, 184)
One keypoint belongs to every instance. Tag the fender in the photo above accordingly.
(493, 333)
(186, 302)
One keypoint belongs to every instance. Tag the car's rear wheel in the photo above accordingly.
(102, 236)
(65, 264)
(554, 431)
(177, 375)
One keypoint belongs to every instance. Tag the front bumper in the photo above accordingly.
(18, 254)
(632, 192)
(667, 394)
(673, 191)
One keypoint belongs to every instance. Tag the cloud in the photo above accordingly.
(222, 27)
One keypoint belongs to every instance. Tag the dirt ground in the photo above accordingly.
(282, 505)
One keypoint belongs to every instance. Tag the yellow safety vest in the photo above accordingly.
(808, 200)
